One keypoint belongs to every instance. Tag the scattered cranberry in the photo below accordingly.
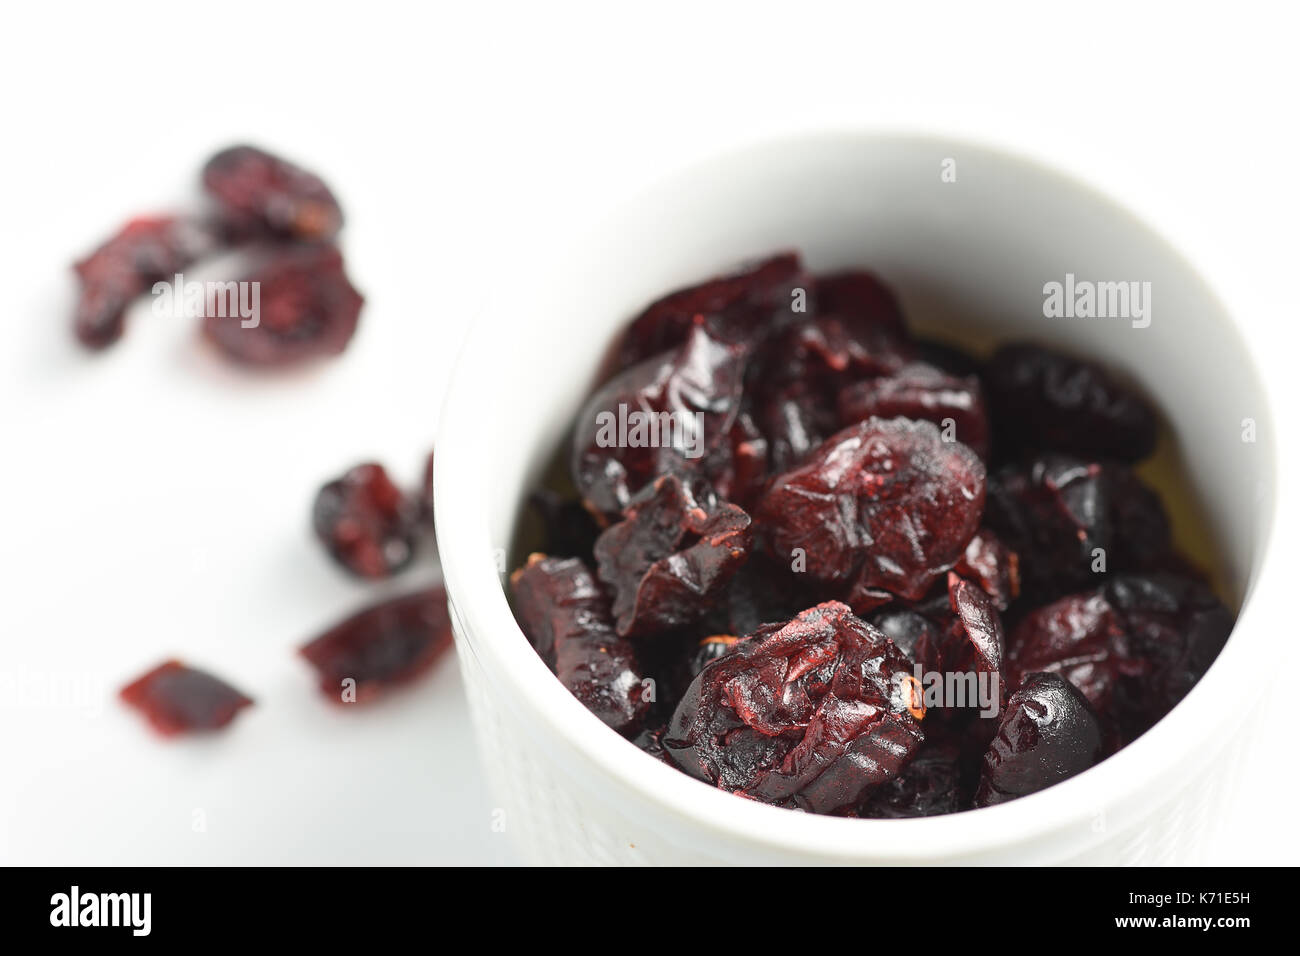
(368, 525)
(566, 615)
(145, 251)
(383, 646)
(925, 393)
(176, 699)
(1049, 733)
(261, 194)
(308, 309)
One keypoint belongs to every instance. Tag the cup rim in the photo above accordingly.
(551, 714)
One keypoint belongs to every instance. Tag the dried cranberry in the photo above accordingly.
(568, 529)
(176, 699)
(144, 251)
(1134, 647)
(1069, 520)
(670, 557)
(741, 309)
(383, 646)
(860, 297)
(886, 504)
(921, 391)
(931, 785)
(796, 419)
(812, 714)
(307, 309)
(566, 616)
(1043, 400)
(696, 387)
(994, 566)
(368, 525)
(1049, 733)
(262, 194)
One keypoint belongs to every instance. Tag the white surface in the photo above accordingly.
(156, 503)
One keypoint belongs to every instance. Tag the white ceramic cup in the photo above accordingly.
(971, 255)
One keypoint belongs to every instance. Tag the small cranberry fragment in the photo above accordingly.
(1044, 400)
(368, 525)
(176, 699)
(922, 391)
(994, 566)
(740, 309)
(1049, 733)
(931, 785)
(307, 309)
(885, 503)
(261, 194)
(670, 557)
(566, 616)
(862, 298)
(808, 714)
(618, 448)
(381, 647)
(144, 251)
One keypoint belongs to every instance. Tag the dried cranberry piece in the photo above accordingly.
(1068, 520)
(1134, 647)
(796, 419)
(262, 194)
(977, 626)
(741, 308)
(994, 566)
(1049, 733)
(697, 388)
(922, 391)
(931, 785)
(813, 714)
(1045, 400)
(566, 616)
(146, 250)
(307, 309)
(922, 638)
(381, 647)
(568, 529)
(862, 297)
(738, 467)
(368, 525)
(670, 557)
(885, 503)
(176, 699)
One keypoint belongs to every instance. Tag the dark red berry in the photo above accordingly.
(1049, 733)
(669, 414)
(384, 646)
(930, 785)
(307, 309)
(885, 504)
(1046, 401)
(813, 714)
(862, 298)
(670, 557)
(740, 309)
(368, 524)
(262, 195)
(145, 251)
(922, 391)
(566, 616)
(993, 566)
(176, 699)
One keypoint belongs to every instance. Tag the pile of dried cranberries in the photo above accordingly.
(823, 564)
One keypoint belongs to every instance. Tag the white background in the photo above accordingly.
(155, 502)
